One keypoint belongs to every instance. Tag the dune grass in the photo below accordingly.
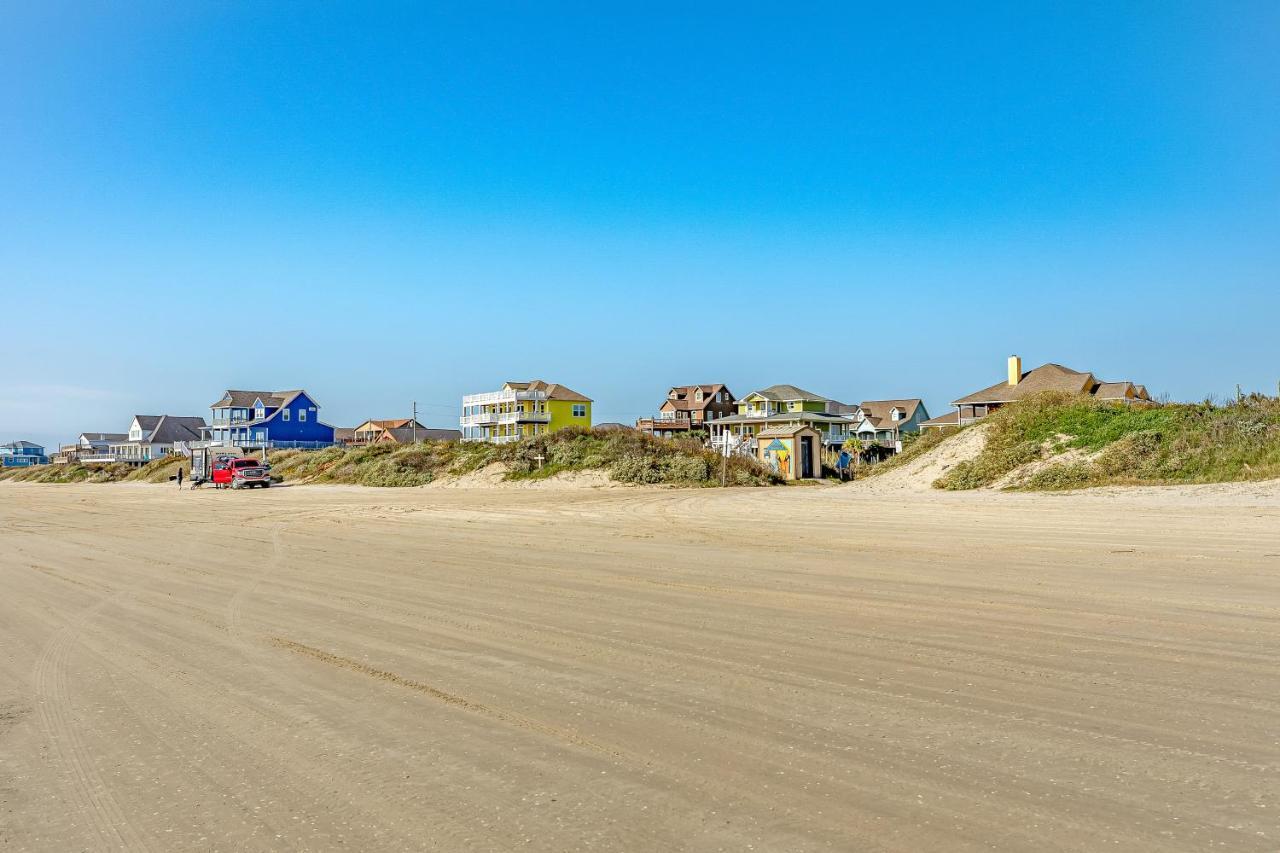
(155, 471)
(1125, 444)
(70, 473)
(627, 456)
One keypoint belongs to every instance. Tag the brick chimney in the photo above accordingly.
(1015, 370)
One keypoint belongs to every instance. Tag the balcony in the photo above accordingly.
(524, 417)
(493, 397)
(481, 419)
(98, 459)
(664, 424)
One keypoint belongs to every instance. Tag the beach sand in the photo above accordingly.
(637, 669)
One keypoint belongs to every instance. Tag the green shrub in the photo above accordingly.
(1068, 475)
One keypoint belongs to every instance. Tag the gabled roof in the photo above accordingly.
(17, 445)
(782, 431)
(685, 399)
(1115, 391)
(103, 436)
(1046, 377)
(553, 390)
(879, 410)
(392, 423)
(174, 428)
(1054, 377)
(787, 394)
(147, 422)
(246, 399)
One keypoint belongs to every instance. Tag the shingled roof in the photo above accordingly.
(787, 393)
(175, 428)
(553, 390)
(1053, 377)
(393, 423)
(949, 419)
(104, 436)
(246, 399)
(163, 429)
(686, 401)
(877, 411)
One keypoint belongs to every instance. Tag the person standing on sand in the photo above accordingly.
(179, 478)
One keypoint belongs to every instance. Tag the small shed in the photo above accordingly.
(792, 452)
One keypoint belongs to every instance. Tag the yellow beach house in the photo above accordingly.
(776, 407)
(522, 409)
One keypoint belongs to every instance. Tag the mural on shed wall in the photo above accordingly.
(777, 455)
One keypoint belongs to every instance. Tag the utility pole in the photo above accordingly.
(415, 421)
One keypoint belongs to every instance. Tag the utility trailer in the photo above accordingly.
(227, 467)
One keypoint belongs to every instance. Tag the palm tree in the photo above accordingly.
(853, 446)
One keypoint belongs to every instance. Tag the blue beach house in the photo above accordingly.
(20, 454)
(268, 419)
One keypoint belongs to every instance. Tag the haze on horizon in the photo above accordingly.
(412, 203)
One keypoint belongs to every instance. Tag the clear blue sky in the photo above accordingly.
(409, 203)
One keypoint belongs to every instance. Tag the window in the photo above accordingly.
(259, 413)
(302, 415)
(284, 414)
(579, 410)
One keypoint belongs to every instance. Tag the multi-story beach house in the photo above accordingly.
(20, 454)
(522, 409)
(780, 406)
(884, 422)
(268, 419)
(689, 407)
(153, 436)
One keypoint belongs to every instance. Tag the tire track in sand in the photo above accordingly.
(90, 794)
(452, 699)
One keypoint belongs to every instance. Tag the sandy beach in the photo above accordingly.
(626, 669)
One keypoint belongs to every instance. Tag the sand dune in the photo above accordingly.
(633, 669)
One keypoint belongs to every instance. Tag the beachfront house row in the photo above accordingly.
(1019, 385)
(781, 406)
(22, 454)
(268, 419)
(689, 407)
(153, 436)
(522, 409)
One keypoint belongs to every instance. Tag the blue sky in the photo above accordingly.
(383, 203)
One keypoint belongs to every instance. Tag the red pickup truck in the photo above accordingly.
(240, 473)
